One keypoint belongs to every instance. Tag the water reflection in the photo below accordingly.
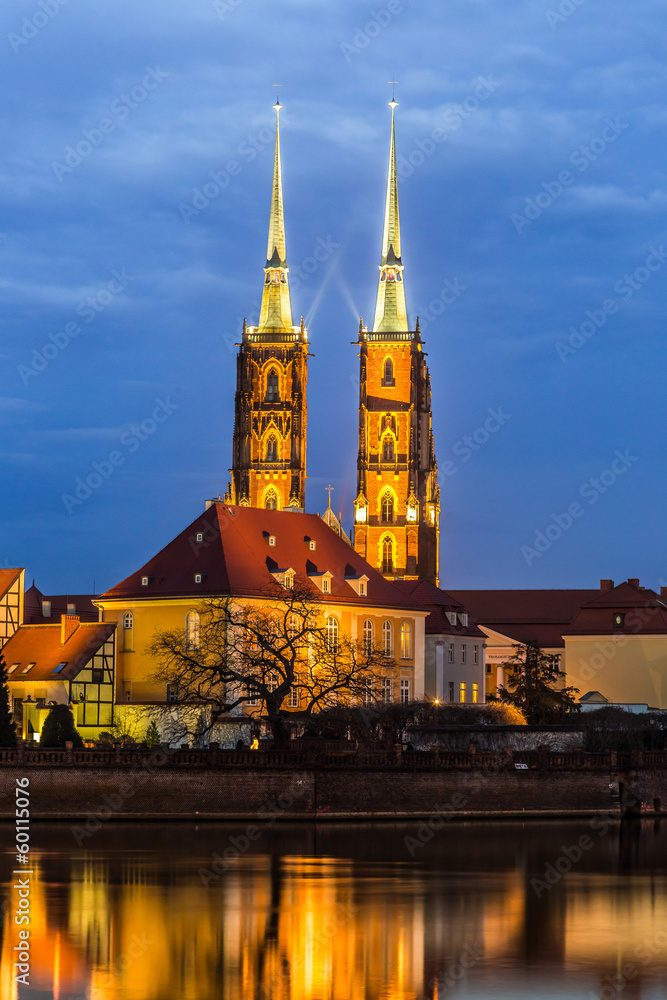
(344, 913)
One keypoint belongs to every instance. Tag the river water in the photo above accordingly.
(342, 912)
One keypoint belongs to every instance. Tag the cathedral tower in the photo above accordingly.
(397, 509)
(269, 449)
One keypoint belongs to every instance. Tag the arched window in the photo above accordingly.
(388, 555)
(387, 507)
(128, 620)
(388, 378)
(332, 634)
(388, 448)
(271, 500)
(192, 630)
(387, 638)
(406, 641)
(128, 632)
(272, 386)
(272, 448)
(368, 637)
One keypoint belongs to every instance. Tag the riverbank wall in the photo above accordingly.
(308, 785)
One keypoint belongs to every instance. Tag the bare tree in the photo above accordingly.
(272, 659)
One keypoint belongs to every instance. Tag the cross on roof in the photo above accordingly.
(329, 490)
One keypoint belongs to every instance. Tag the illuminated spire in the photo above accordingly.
(276, 311)
(390, 311)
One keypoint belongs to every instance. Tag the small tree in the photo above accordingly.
(257, 657)
(534, 684)
(7, 727)
(59, 728)
(152, 737)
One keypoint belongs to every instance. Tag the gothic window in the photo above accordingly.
(388, 374)
(271, 501)
(388, 449)
(272, 449)
(272, 386)
(388, 555)
(387, 508)
(192, 630)
(388, 423)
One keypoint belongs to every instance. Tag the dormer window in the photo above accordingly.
(619, 620)
(71, 609)
(322, 581)
(325, 586)
(199, 577)
(46, 609)
(14, 666)
(200, 536)
(145, 580)
(451, 617)
(463, 618)
(312, 545)
(362, 589)
(272, 540)
(289, 581)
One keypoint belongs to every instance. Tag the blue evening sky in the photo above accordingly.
(533, 147)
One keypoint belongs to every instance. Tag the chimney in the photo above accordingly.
(606, 585)
(663, 593)
(633, 582)
(68, 626)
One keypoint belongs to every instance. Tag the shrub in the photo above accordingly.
(59, 728)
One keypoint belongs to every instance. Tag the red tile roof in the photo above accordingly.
(535, 616)
(645, 613)
(438, 603)
(7, 578)
(32, 609)
(236, 557)
(41, 644)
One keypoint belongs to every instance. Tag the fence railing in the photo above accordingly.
(332, 755)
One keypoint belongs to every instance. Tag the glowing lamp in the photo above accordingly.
(412, 513)
(361, 515)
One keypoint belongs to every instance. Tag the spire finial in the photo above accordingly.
(329, 490)
(393, 103)
(277, 107)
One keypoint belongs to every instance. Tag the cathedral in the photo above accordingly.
(397, 505)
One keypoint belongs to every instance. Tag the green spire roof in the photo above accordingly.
(390, 311)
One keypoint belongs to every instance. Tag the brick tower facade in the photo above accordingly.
(397, 509)
(269, 447)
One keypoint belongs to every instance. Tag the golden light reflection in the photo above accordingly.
(289, 926)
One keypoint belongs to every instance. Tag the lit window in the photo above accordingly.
(289, 581)
(406, 641)
(312, 545)
(325, 585)
(388, 555)
(362, 590)
(387, 638)
(388, 449)
(293, 699)
(71, 609)
(367, 634)
(475, 654)
(198, 577)
(450, 652)
(251, 696)
(200, 536)
(144, 581)
(405, 692)
(387, 508)
(475, 693)
(28, 667)
(14, 666)
(386, 690)
(463, 652)
(272, 449)
(192, 623)
(332, 634)
(462, 691)
(271, 502)
(367, 691)
(272, 541)
(275, 277)
(272, 386)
